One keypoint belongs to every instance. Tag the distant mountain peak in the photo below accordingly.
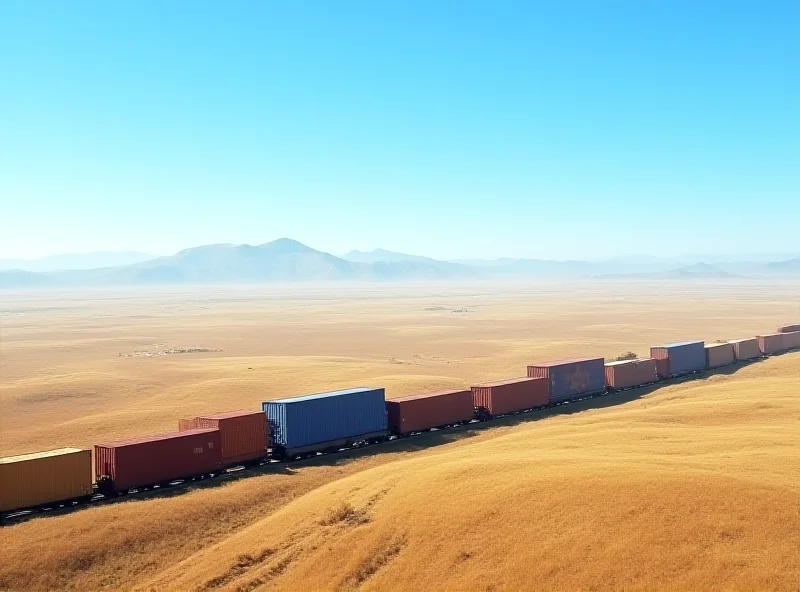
(287, 245)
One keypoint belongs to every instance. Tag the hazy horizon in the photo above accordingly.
(144, 255)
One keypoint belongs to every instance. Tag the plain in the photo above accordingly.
(692, 485)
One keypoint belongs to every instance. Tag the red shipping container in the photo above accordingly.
(630, 373)
(745, 349)
(243, 434)
(662, 368)
(135, 463)
(770, 344)
(415, 413)
(788, 329)
(508, 396)
(791, 340)
(719, 354)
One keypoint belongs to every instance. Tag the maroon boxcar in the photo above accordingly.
(415, 413)
(770, 344)
(719, 354)
(624, 374)
(508, 396)
(243, 434)
(791, 339)
(788, 329)
(745, 349)
(662, 368)
(139, 462)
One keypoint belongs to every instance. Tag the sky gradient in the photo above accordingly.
(450, 129)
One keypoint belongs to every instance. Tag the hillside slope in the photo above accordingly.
(694, 486)
(689, 486)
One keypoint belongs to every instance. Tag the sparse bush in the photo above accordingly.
(626, 356)
(346, 513)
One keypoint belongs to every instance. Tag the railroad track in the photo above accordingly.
(269, 465)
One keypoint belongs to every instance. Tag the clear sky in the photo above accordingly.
(551, 129)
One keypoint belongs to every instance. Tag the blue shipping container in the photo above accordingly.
(303, 422)
(570, 379)
(684, 357)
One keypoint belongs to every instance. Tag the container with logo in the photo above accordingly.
(326, 420)
(151, 460)
(745, 349)
(682, 358)
(41, 478)
(624, 374)
(415, 413)
(719, 354)
(571, 379)
(509, 396)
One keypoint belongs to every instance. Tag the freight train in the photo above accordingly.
(209, 445)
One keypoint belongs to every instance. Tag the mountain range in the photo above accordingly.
(286, 260)
(75, 261)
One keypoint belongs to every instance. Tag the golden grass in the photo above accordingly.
(691, 486)
(694, 486)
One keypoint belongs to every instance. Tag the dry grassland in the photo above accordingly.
(690, 486)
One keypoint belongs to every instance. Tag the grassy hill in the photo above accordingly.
(690, 486)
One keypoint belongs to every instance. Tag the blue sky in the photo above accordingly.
(450, 129)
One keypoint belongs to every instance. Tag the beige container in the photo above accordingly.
(745, 349)
(719, 354)
(44, 477)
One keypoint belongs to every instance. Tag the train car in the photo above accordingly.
(243, 434)
(151, 460)
(745, 349)
(791, 340)
(416, 413)
(624, 374)
(677, 359)
(509, 396)
(331, 420)
(571, 379)
(719, 354)
(770, 344)
(788, 329)
(53, 476)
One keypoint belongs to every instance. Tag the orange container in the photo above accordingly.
(44, 477)
(187, 424)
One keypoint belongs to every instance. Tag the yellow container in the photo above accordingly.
(44, 477)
